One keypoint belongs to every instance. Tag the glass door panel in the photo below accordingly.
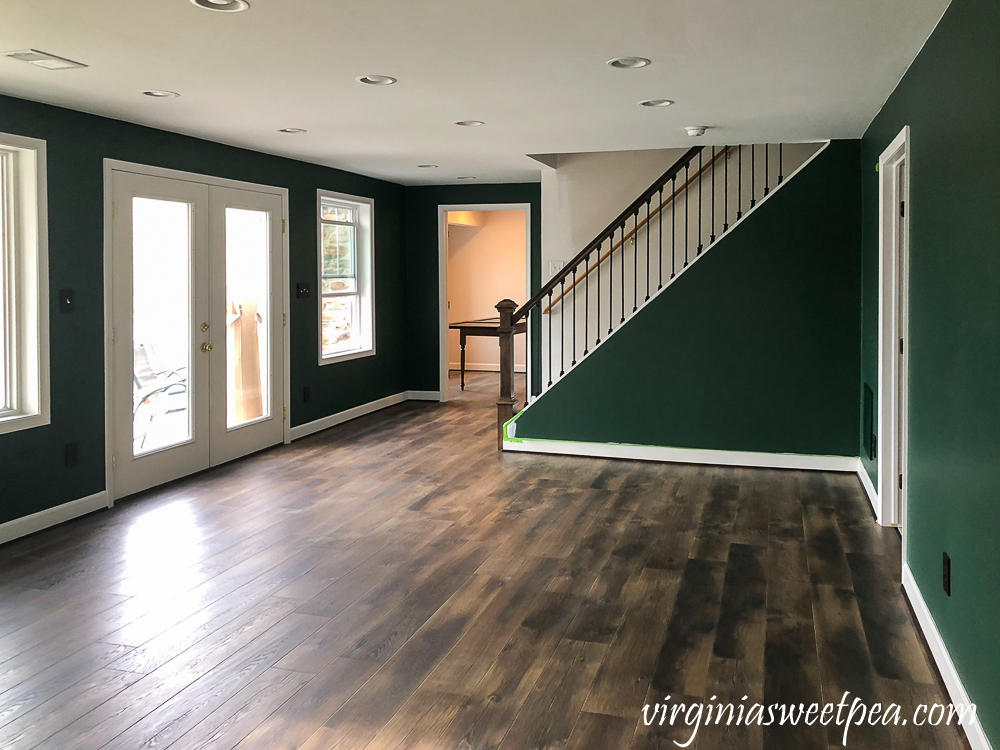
(246, 322)
(159, 397)
(248, 316)
(161, 324)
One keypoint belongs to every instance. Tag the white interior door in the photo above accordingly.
(197, 329)
(902, 291)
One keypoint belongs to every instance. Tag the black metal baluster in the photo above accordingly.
(611, 282)
(701, 181)
(550, 337)
(725, 196)
(635, 261)
(673, 228)
(659, 222)
(753, 175)
(712, 235)
(647, 251)
(687, 211)
(767, 168)
(781, 155)
(739, 185)
(573, 363)
(562, 326)
(597, 320)
(622, 248)
(586, 303)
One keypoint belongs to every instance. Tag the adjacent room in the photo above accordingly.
(499, 376)
(487, 253)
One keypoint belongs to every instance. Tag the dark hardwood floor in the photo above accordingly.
(395, 582)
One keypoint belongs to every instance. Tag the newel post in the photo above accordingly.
(506, 402)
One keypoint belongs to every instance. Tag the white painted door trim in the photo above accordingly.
(443, 210)
(116, 165)
(892, 275)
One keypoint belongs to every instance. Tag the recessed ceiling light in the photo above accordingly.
(161, 94)
(43, 59)
(292, 130)
(427, 166)
(377, 80)
(465, 178)
(656, 102)
(629, 63)
(224, 6)
(470, 123)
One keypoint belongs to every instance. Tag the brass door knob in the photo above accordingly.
(207, 346)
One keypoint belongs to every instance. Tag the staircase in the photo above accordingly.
(700, 199)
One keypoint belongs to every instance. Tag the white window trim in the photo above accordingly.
(365, 261)
(29, 292)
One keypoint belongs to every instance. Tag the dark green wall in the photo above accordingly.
(32, 475)
(949, 98)
(422, 345)
(755, 348)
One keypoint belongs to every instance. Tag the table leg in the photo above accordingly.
(462, 341)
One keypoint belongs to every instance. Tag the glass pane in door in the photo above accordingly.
(161, 324)
(248, 316)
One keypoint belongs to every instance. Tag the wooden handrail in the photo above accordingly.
(608, 231)
(635, 230)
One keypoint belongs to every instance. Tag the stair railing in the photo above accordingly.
(735, 188)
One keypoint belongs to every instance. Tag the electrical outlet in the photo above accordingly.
(306, 395)
(946, 573)
(72, 454)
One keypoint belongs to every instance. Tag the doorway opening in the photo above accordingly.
(196, 352)
(483, 258)
(894, 216)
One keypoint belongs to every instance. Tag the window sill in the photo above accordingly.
(14, 422)
(347, 356)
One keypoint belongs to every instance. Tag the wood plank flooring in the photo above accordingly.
(395, 583)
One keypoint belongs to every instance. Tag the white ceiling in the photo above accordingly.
(533, 70)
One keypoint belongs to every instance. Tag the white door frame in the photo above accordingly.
(116, 165)
(893, 275)
(443, 210)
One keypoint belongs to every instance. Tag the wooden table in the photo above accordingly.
(484, 327)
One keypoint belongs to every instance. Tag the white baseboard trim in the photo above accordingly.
(870, 491)
(340, 417)
(952, 681)
(343, 416)
(60, 514)
(481, 367)
(423, 395)
(684, 455)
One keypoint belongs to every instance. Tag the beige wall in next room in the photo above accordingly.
(486, 263)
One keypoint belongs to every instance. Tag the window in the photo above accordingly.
(24, 397)
(346, 304)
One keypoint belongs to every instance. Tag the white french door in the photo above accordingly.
(197, 326)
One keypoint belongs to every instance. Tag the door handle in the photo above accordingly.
(207, 346)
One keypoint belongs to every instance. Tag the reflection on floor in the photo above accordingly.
(395, 582)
